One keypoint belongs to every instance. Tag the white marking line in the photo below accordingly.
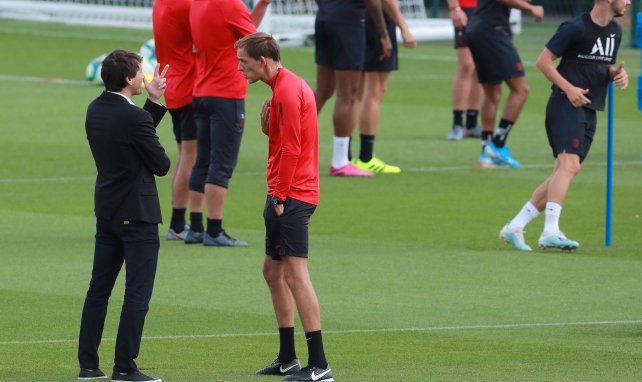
(453, 58)
(76, 35)
(525, 166)
(45, 80)
(257, 173)
(357, 331)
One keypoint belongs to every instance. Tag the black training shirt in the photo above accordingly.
(587, 50)
(350, 11)
(490, 14)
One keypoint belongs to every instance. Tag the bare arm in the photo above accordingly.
(545, 63)
(619, 76)
(457, 15)
(376, 12)
(259, 11)
(391, 9)
(536, 10)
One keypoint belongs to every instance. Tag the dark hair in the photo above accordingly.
(117, 66)
(259, 45)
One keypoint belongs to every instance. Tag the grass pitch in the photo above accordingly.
(413, 283)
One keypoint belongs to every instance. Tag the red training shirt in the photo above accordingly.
(293, 154)
(468, 3)
(173, 40)
(216, 26)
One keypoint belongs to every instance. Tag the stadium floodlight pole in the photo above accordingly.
(609, 169)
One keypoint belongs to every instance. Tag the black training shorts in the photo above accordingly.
(495, 56)
(219, 129)
(460, 38)
(340, 45)
(569, 129)
(373, 49)
(184, 125)
(287, 235)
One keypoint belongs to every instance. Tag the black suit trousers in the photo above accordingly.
(136, 244)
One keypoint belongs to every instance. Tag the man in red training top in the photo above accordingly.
(290, 122)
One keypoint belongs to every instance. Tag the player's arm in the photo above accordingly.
(545, 63)
(536, 10)
(619, 76)
(259, 11)
(457, 15)
(376, 12)
(391, 8)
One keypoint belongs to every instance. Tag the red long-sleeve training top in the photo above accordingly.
(293, 154)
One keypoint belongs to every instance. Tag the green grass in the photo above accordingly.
(413, 283)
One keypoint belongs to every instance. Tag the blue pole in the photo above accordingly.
(609, 169)
(639, 36)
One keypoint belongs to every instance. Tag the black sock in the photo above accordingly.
(471, 118)
(350, 149)
(286, 345)
(178, 219)
(367, 147)
(196, 221)
(499, 139)
(458, 117)
(214, 227)
(316, 355)
(485, 139)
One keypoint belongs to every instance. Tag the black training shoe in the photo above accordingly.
(222, 240)
(281, 368)
(312, 373)
(193, 237)
(134, 376)
(88, 375)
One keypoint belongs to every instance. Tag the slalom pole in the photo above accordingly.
(609, 169)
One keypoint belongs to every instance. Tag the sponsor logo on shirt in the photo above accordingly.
(602, 51)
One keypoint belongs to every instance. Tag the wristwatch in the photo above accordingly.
(276, 201)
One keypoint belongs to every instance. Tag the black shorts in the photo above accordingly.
(219, 129)
(495, 56)
(460, 39)
(340, 45)
(184, 125)
(569, 129)
(373, 49)
(287, 235)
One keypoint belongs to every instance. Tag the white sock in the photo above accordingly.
(552, 224)
(340, 151)
(524, 216)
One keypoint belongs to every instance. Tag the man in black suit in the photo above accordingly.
(128, 154)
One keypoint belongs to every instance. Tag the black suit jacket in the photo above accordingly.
(128, 154)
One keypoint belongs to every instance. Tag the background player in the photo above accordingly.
(490, 40)
(588, 46)
(466, 90)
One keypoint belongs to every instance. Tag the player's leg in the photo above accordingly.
(567, 167)
(227, 119)
(185, 134)
(293, 251)
(282, 300)
(375, 86)
(344, 119)
(461, 88)
(473, 129)
(325, 86)
(570, 133)
(298, 279)
(504, 65)
(490, 104)
(199, 172)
